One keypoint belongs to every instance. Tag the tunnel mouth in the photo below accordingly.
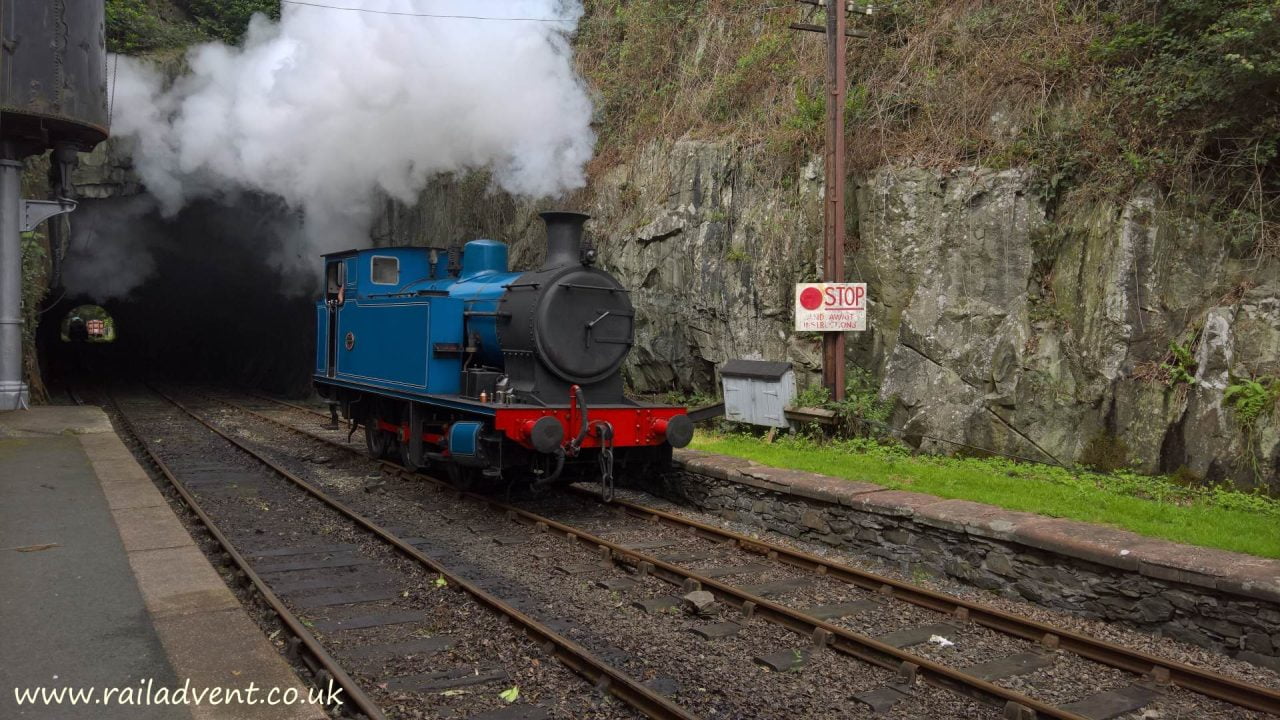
(88, 323)
(220, 293)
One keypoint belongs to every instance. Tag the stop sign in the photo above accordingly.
(831, 307)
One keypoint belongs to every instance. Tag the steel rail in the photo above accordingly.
(1201, 681)
(292, 623)
(821, 632)
(570, 653)
(270, 399)
(869, 650)
(1162, 670)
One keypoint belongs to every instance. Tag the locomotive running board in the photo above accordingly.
(706, 413)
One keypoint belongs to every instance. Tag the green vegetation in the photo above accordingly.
(1199, 82)
(35, 278)
(1181, 365)
(1153, 506)
(35, 263)
(1105, 453)
(667, 68)
(810, 112)
(140, 26)
(814, 396)
(861, 414)
(689, 400)
(1096, 97)
(1251, 400)
(766, 59)
(134, 26)
(226, 20)
(1041, 310)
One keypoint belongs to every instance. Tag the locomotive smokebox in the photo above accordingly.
(564, 238)
(53, 75)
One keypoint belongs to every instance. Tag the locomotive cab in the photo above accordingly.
(450, 359)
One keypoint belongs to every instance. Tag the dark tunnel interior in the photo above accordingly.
(208, 303)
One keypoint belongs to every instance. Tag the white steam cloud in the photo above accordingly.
(328, 108)
(109, 253)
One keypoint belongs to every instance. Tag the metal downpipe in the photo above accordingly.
(13, 391)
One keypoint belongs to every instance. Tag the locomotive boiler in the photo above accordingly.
(449, 359)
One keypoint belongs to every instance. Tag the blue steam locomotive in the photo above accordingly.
(448, 359)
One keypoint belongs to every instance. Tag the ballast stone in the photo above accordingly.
(699, 602)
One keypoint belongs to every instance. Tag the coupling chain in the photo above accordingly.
(605, 432)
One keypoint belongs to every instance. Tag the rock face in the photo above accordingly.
(107, 172)
(1004, 328)
(948, 260)
(995, 322)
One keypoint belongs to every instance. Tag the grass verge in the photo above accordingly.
(1153, 506)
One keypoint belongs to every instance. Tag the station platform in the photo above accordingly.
(104, 591)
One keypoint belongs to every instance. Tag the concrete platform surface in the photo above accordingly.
(105, 589)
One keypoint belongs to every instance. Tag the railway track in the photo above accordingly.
(827, 603)
(713, 681)
(317, 659)
(370, 612)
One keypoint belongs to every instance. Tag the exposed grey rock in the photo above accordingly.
(813, 520)
(1257, 332)
(1259, 643)
(1220, 627)
(699, 602)
(107, 172)
(898, 537)
(1033, 591)
(1266, 661)
(1154, 609)
(1209, 434)
(1000, 564)
(1181, 600)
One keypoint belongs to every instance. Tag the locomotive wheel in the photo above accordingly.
(376, 441)
(404, 458)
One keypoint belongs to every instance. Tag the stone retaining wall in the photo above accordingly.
(1212, 598)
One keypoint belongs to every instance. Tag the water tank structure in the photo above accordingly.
(53, 73)
(53, 96)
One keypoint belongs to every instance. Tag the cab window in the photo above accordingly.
(336, 277)
(385, 270)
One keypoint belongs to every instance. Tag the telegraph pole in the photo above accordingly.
(833, 218)
(833, 358)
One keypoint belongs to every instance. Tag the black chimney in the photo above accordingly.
(564, 238)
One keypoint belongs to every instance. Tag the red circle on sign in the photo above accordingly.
(810, 298)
